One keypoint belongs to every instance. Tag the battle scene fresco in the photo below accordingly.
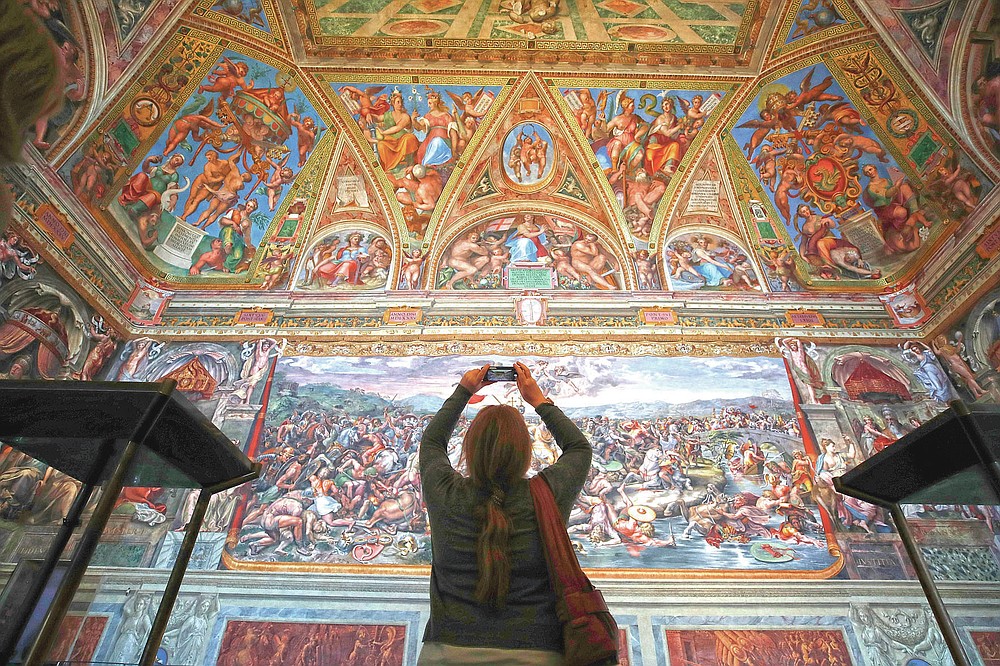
(548, 252)
(684, 478)
(640, 138)
(853, 209)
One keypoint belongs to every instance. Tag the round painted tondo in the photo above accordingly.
(528, 157)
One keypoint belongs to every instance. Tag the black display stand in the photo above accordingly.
(952, 459)
(112, 434)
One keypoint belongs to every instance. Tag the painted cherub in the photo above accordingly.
(282, 175)
(306, 135)
(645, 268)
(409, 277)
(227, 77)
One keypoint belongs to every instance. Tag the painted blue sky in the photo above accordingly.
(600, 381)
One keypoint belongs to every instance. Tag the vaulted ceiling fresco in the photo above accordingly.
(814, 155)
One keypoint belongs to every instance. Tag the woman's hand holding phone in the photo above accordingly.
(527, 385)
(475, 379)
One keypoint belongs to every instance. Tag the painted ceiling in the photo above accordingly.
(815, 155)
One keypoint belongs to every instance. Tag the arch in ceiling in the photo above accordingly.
(533, 238)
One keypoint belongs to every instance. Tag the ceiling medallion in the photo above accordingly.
(528, 157)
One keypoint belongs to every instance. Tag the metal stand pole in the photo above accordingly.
(174, 582)
(181, 563)
(48, 566)
(930, 590)
(92, 533)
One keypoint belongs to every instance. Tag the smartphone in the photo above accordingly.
(501, 373)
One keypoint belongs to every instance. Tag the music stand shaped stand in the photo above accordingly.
(113, 434)
(951, 459)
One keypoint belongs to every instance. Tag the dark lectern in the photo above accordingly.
(112, 434)
(951, 459)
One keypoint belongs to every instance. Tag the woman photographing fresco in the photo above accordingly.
(491, 599)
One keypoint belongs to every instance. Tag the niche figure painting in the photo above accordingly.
(574, 256)
(703, 261)
(347, 260)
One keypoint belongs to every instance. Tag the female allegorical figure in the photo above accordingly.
(345, 264)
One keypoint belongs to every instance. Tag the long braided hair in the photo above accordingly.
(497, 452)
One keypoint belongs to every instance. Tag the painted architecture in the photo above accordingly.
(745, 245)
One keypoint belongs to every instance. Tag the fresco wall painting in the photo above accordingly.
(640, 138)
(61, 19)
(537, 251)
(204, 193)
(926, 32)
(79, 637)
(808, 22)
(767, 647)
(678, 484)
(984, 96)
(852, 208)
(257, 18)
(127, 27)
(419, 134)
(707, 261)
(600, 23)
(259, 643)
(970, 351)
(346, 259)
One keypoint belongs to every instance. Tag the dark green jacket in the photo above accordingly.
(529, 619)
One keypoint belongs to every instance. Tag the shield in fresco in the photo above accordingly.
(827, 178)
